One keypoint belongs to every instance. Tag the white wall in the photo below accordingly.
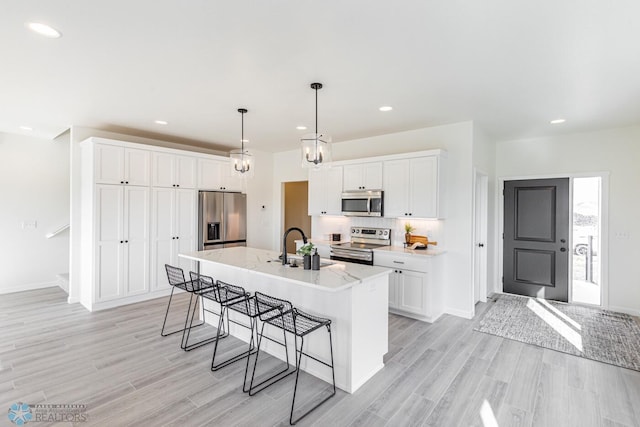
(34, 186)
(259, 191)
(616, 151)
(457, 233)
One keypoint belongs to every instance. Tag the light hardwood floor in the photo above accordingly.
(440, 374)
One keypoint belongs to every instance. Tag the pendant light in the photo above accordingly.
(241, 160)
(316, 147)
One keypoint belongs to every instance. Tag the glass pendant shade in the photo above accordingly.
(241, 160)
(316, 150)
(241, 163)
(316, 147)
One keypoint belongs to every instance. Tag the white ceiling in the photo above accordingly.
(510, 66)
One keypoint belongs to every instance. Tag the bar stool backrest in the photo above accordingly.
(271, 308)
(229, 292)
(175, 275)
(202, 282)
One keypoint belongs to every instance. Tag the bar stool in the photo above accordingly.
(228, 296)
(300, 324)
(175, 276)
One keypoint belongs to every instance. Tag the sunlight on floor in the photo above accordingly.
(560, 314)
(487, 416)
(557, 324)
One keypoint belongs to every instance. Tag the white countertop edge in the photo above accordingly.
(297, 282)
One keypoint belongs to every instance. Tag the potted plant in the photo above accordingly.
(407, 233)
(306, 251)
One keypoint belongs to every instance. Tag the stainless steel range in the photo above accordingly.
(363, 242)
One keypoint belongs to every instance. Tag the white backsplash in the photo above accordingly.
(323, 226)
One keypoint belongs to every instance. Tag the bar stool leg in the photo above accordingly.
(333, 376)
(275, 377)
(187, 330)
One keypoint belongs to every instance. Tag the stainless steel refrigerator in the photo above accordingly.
(222, 220)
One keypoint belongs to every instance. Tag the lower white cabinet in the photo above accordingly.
(173, 230)
(412, 292)
(122, 242)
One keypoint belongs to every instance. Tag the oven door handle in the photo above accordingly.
(366, 256)
(369, 205)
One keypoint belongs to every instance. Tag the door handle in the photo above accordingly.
(481, 245)
(563, 241)
(563, 249)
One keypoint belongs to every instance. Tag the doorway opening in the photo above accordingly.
(586, 247)
(296, 212)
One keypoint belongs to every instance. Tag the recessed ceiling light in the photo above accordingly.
(161, 122)
(301, 127)
(27, 128)
(557, 121)
(385, 108)
(44, 30)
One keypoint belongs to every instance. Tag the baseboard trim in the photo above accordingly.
(460, 313)
(73, 300)
(127, 300)
(29, 287)
(626, 310)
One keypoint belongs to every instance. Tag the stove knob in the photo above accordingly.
(354, 231)
(380, 232)
(386, 232)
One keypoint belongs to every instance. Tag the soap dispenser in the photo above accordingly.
(315, 260)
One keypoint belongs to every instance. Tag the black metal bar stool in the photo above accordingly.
(228, 296)
(175, 276)
(300, 324)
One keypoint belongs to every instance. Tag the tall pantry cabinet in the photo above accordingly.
(138, 212)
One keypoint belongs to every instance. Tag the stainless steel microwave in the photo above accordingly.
(362, 203)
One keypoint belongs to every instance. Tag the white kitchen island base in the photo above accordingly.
(354, 297)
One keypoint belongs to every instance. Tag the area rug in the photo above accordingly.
(602, 335)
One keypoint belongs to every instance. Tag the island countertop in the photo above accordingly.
(331, 278)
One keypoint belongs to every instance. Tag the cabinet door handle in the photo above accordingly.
(126, 241)
(126, 182)
(410, 214)
(398, 262)
(177, 185)
(400, 271)
(177, 237)
(121, 182)
(121, 241)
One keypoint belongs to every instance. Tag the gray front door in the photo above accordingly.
(536, 231)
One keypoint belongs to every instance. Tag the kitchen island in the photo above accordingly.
(353, 296)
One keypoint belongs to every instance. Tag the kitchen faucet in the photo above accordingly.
(284, 242)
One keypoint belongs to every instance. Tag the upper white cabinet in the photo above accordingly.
(216, 175)
(412, 187)
(325, 189)
(364, 176)
(120, 165)
(175, 171)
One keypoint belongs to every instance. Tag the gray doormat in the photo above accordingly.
(605, 336)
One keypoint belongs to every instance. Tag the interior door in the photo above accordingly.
(536, 231)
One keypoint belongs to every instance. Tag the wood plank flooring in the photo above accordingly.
(441, 374)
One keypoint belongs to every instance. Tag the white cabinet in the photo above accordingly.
(170, 170)
(119, 165)
(412, 187)
(364, 176)
(325, 189)
(173, 230)
(122, 241)
(412, 290)
(216, 175)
